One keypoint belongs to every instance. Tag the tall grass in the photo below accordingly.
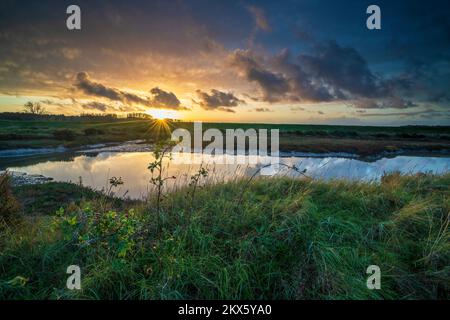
(9, 206)
(287, 239)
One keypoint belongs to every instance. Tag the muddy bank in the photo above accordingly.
(21, 178)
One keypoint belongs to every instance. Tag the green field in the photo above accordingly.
(268, 239)
(304, 138)
(36, 134)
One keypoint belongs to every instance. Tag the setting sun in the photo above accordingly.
(163, 114)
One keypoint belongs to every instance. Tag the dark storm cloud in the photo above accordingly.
(303, 86)
(89, 87)
(159, 99)
(283, 79)
(342, 68)
(426, 81)
(273, 85)
(164, 99)
(218, 100)
(331, 73)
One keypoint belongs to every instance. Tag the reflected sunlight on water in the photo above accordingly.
(132, 167)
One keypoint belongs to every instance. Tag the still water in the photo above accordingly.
(95, 170)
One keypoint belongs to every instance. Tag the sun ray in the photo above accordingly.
(160, 128)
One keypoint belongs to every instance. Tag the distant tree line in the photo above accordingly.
(139, 116)
(56, 117)
(34, 111)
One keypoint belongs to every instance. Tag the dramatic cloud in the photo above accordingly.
(218, 100)
(92, 88)
(165, 100)
(343, 69)
(303, 86)
(332, 73)
(160, 98)
(274, 86)
(286, 81)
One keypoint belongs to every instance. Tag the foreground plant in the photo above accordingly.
(113, 231)
(161, 152)
(195, 179)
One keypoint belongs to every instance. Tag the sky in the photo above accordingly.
(304, 61)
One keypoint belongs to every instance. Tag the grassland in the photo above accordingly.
(268, 239)
(38, 134)
(365, 141)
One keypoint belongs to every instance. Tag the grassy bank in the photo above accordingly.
(39, 134)
(303, 138)
(270, 239)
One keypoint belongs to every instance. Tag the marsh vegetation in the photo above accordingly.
(270, 238)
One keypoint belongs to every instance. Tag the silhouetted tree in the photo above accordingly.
(33, 108)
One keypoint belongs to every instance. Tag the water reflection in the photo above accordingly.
(132, 167)
(352, 169)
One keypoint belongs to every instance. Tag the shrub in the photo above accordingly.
(64, 134)
(9, 206)
(114, 231)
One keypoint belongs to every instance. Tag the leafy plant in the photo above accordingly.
(202, 173)
(114, 182)
(161, 151)
(112, 230)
